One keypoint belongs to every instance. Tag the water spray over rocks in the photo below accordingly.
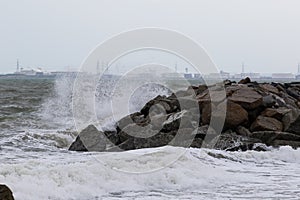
(258, 115)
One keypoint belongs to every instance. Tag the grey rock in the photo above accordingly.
(5, 193)
(266, 124)
(248, 98)
(269, 101)
(294, 144)
(90, 139)
(276, 113)
(240, 130)
(268, 137)
(294, 127)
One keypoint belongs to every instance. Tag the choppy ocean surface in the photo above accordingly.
(37, 126)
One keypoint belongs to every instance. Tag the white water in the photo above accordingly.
(197, 174)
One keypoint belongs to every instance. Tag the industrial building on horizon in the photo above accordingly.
(20, 71)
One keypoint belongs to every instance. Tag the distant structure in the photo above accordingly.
(188, 76)
(283, 76)
(98, 67)
(298, 74)
(243, 68)
(222, 74)
(225, 75)
(197, 75)
(244, 74)
(18, 66)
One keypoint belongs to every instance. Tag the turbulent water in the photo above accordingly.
(37, 126)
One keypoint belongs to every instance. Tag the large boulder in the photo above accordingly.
(269, 101)
(294, 127)
(294, 92)
(158, 140)
(182, 119)
(269, 88)
(90, 139)
(168, 105)
(235, 114)
(5, 193)
(136, 118)
(276, 113)
(266, 124)
(248, 98)
(245, 80)
(291, 120)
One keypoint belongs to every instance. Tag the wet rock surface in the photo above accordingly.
(5, 193)
(231, 116)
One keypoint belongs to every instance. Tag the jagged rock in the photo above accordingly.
(253, 114)
(182, 119)
(279, 101)
(90, 139)
(276, 113)
(280, 87)
(294, 127)
(136, 131)
(5, 193)
(269, 88)
(235, 114)
(160, 139)
(288, 100)
(231, 89)
(269, 101)
(202, 131)
(157, 121)
(294, 144)
(266, 124)
(245, 81)
(240, 130)
(290, 118)
(188, 102)
(268, 137)
(248, 98)
(136, 118)
(294, 92)
(197, 143)
(165, 103)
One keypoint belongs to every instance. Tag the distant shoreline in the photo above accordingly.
(191, 80)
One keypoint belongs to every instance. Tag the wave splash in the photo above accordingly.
(196, 174)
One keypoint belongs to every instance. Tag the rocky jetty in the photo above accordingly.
(5, 193)
(231, 116)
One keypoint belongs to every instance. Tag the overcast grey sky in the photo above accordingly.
(265, 34)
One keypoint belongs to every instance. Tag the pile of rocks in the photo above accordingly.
(256, 115)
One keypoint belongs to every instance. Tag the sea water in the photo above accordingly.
(37, 126)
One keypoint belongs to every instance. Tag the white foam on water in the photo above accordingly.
(197, 174)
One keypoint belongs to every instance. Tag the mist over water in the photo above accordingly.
(37, 126)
